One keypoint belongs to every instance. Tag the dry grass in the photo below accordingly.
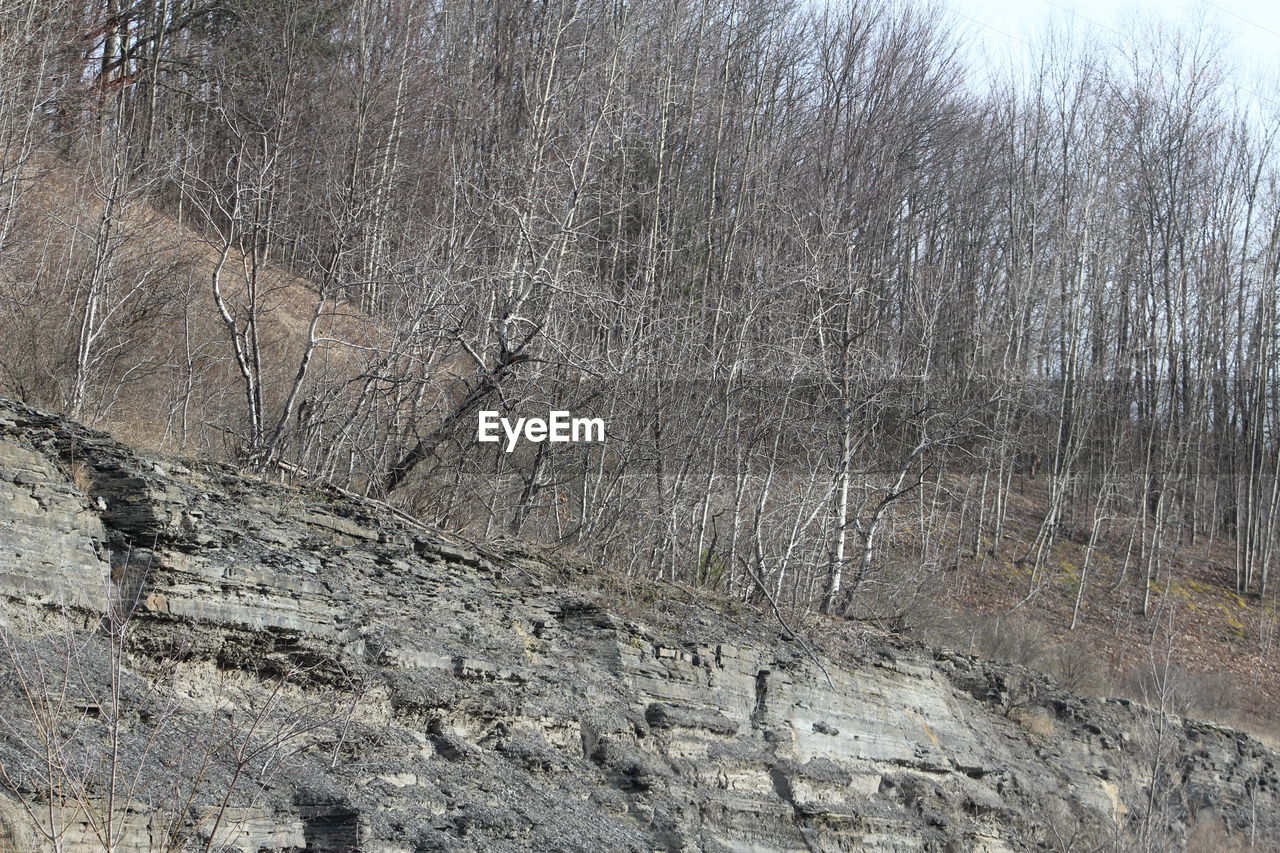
(178, 350)
(1219, 643)
(78, 474)
(1038, 722)
(1210, 834)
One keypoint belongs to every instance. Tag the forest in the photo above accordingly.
(860, 311)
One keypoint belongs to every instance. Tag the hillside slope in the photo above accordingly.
(190, 654)
(158, 360)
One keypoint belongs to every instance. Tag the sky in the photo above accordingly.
(1252, 27)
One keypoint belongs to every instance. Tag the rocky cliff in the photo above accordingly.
(198, 659)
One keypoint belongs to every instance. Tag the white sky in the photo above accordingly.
(1252, 27)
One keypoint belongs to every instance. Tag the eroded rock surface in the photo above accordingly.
(486, 709)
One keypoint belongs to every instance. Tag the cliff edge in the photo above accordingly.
(195, 659)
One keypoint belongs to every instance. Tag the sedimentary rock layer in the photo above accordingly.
(474, 705)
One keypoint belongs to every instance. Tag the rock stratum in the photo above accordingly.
(195, 659)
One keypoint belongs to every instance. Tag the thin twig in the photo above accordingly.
(777, 611)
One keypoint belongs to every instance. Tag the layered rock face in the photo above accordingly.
(428, 695)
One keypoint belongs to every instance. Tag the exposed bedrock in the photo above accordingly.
(475, 706)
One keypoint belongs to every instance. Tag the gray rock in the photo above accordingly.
(441, 696)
